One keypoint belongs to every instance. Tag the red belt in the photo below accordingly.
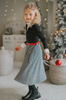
(32, 43)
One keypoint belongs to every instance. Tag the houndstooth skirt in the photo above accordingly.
(32, 70)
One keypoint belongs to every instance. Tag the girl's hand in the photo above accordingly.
(46, 56)
(17, 48)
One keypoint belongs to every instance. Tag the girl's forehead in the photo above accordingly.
(28, 11)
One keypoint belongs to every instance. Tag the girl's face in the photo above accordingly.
(29, 15)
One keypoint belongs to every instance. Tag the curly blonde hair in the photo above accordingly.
(33, 7)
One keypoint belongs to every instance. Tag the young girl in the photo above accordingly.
(32, 70)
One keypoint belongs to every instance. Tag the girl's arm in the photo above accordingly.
(17, 48)
(23, 44)
(46, 50)
(41, 36)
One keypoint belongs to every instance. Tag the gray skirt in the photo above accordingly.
(32, 70)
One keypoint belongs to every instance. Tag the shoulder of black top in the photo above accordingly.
(36, 25)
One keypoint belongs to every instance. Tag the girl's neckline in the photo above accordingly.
(28, 23)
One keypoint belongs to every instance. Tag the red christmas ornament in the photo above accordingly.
(58, 62)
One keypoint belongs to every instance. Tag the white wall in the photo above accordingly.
(50, 19)
(54, 12)
(52, 5)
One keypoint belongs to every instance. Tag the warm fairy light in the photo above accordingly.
(38, 0)
(14, 0)
(46, 0)
(7, 18)
(4, 14)
(25, 0)
(38, 8)
(6, 5)
(45, 19)
(14, 13)
(56, 35)
(61, 31)
(5, 10)
(58, 9)
(57, 31)
(46, 9)
(12, 10)
(47, 23)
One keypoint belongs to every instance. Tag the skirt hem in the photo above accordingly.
(30, 83)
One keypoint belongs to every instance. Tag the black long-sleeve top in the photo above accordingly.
(33, 34)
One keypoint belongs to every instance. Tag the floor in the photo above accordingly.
(13, 90)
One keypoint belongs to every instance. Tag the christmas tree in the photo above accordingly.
(58, 38)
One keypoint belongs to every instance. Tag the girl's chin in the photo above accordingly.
(28, 21)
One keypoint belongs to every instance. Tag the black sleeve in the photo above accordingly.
(41, 36)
